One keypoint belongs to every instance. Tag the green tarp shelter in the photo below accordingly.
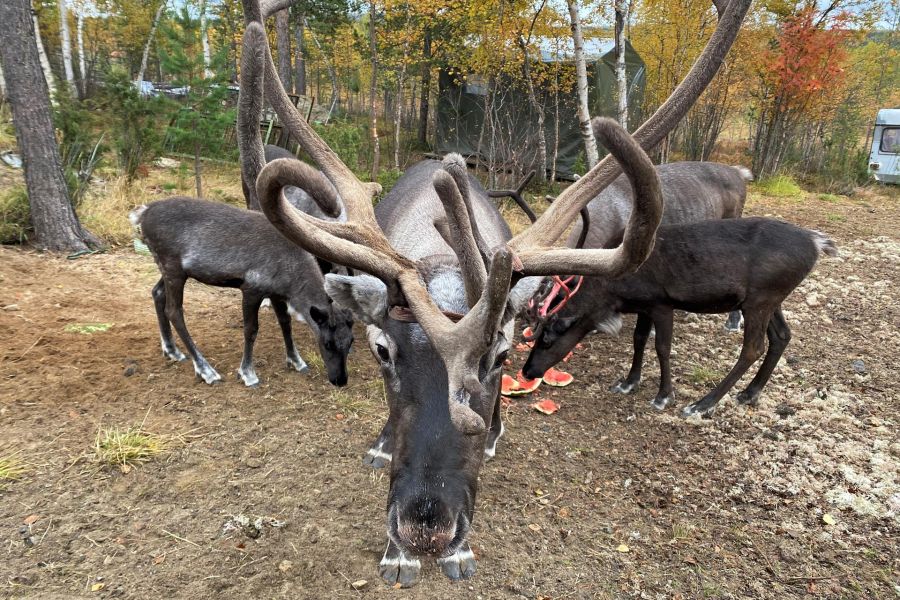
(513, 140)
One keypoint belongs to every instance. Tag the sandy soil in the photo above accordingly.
(797, 498)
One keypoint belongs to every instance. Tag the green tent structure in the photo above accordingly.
(510, 140)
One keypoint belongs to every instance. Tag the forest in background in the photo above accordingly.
(796, 96)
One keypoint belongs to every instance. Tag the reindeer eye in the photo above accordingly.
(501, 358)
(383, 353)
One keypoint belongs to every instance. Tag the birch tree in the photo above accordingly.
(373, 49)
(66, 44)
(283, 44)
(581, 83)
(204, 40)
(79, 34)
(146, 56)
(42, 54)
(622, 10)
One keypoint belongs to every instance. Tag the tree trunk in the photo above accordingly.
(331, 75)
(376, 149)
(66, 43)
(146, 56)
(42, 56)
(197, 170)
(426, 89)
(55, 224)
(621, 8)
(584, 113)
(283, 43)
(300, 61)
(2, 85)
(538, 109)
(79, 32)
(204, 40)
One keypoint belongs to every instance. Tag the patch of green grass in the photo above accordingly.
(314, 360)
(780, 186)
(11, 468)
(835, 218)
(833, 198)
(125, 448)
(87, 328)
(169, 186)
(704, 375)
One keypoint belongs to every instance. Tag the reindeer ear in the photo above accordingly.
(519, 295)
(365, 296)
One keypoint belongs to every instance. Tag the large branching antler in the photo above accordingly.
(556, 219)
(361, 244)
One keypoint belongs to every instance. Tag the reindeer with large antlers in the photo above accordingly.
(445, 281)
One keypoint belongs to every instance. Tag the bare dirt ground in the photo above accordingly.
(608, 498)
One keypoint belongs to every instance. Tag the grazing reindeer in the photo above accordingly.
(692, 191)
(749, 264)
(225, 246)
(440, 325)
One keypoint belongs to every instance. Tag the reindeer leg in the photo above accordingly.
(381, 452)
(175, 313)
(250, 303)
(170, 350)
(629, 384)
(495, 432)
(662, 321)
(755, 322)
(779, 335)
(734, 322)
(284, 320)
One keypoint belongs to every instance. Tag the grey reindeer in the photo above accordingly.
(749, 264)
(444, 283)
(226, 246)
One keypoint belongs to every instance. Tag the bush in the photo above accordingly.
(15, 216)
(780, 186)
(345, 138)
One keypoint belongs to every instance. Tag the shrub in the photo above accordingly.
(134, 122)
(15, 216)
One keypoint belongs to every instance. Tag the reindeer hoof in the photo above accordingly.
(296, 363)
(459, 565)
(661, 402)
(397, 569)
(208, 374)
(747, 398)
(377, 458)
(623, 386)
(174, 354)
(704, 409)
(249, 377)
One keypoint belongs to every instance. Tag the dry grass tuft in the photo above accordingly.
(125, 448)
(11, 468)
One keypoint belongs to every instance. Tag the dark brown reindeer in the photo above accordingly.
(439, 297)
(226, 246)
(749, 264)
(692, 192)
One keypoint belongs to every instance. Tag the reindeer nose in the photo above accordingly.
(426, 527)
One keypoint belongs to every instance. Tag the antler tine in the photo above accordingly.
(455, 164)
(516, 195)
(461, 234)
(352, 244)
(557, 218)
(640, 231)
(250, 108)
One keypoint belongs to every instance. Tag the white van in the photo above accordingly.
(884, 162)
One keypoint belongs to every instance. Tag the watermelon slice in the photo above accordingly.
(557, 378)
(548, 407)
(528, 332)
(518, 386)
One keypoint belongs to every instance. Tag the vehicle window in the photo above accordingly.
(890, 140)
